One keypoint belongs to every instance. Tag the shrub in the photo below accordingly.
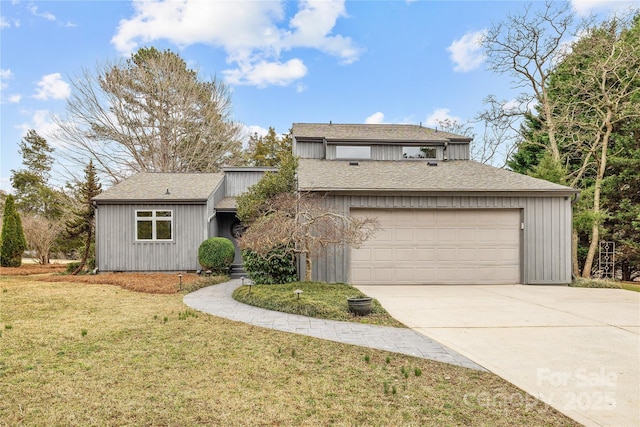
(13, 241)
(72, 266)
(279, 266)
(216, 254)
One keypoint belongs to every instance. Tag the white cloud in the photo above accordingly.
(264, 73)
(253, 34)
(46, 15)
(4, 22)
(248, 131)
(586, 7)
(5, 74)
(42, 122)
(467, 53)
(312, 26)
(52, 86)
(441, 115)
(14, 99)
(375, 118)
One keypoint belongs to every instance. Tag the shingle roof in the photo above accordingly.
(226, 204)
(146, 186)
(372, 132)
(411, 176)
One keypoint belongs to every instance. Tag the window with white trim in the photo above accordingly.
(154, 225)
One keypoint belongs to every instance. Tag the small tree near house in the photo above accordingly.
(13, 241)
(304, 224)
(83, 221)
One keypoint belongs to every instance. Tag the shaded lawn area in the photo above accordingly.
(78, 354)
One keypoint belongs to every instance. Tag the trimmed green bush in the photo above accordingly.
(13, 241)
(278, 267)
(216, 254)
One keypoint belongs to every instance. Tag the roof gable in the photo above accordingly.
(163, 187)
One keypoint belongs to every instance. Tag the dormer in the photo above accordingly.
(377, 142)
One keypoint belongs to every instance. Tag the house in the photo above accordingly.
(445, 219)
(157, 221)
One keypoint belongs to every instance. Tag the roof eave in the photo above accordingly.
(149, 201)
(443, 192)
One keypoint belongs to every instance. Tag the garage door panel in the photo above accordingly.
(445, 254)
(464, 246)
(382, 254)
(464, 255)
(404, 254)
(466, 234)
(404, 235)
(361, 275)
(424, 254)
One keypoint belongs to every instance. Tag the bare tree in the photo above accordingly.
(527, 46)
(304, 223)
(41, 234)
(148, 113)
(500, 120)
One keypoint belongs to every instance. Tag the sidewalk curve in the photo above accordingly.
(217, 300)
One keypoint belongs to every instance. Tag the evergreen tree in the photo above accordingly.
(83, 222)
(13, 241)
(33, 194)
(269, 150)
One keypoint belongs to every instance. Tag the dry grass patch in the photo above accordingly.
(152, 283)
(74, 354)
(30, 269)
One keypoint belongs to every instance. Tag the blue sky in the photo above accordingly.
(285, 62)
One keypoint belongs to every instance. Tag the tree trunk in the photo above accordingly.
(574, 252)
(595, 229)
(85, 254)
(308, 267)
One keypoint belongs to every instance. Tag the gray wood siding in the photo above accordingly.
(118, 250)
(237, 183)
(309, 150)
(315, 150)
(458, 151)
(546, 238)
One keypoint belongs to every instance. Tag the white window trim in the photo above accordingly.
(153, 218)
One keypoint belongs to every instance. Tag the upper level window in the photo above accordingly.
(154, 225)
(419, 152)
(351, 152)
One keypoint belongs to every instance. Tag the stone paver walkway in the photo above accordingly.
(217, 300)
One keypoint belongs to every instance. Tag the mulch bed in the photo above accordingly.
(152, 283)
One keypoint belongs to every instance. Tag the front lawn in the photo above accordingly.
(91, 354)
(321, 300)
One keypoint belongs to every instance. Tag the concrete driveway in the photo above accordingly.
(575, 349)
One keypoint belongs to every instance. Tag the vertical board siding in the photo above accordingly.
(119, 251)
(310, 150)
(237, 183)
(458, 151)
(546, 238)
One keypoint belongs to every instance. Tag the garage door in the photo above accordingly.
(439, 247)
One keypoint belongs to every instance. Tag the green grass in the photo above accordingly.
(149, 360)
(602, 283)
(630, 286)
(321, 300)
